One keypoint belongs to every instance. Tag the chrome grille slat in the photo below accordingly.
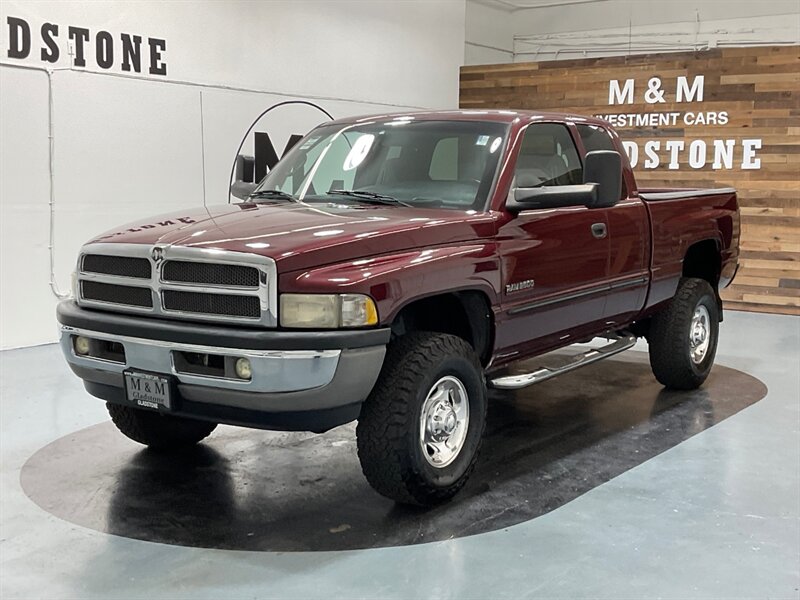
(209, 289)
(198, 284)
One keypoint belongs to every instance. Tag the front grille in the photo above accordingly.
(181, 271)
(212, 304)
(117, 294)
(177, 282)
(123, 266)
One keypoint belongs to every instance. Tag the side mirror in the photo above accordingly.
(242, 189)
(604, 169)
(243, 177)
(557, 196)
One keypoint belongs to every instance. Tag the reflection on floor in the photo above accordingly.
(258, 490)
(592, 485)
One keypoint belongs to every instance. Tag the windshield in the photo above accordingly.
(439, 164)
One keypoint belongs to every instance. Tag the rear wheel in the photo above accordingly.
(420, 430)
(683, 336)
(162, 432)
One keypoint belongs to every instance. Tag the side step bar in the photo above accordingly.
(619, 343)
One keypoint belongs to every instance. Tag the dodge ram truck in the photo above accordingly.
(390, 269)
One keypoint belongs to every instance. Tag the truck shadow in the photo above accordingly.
(271, 491)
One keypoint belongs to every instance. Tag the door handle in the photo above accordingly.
(599, 230)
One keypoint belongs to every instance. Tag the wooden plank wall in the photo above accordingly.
(760, 90)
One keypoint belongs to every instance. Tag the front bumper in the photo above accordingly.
(301, 380)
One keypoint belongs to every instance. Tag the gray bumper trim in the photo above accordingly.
(355, 375)
(273, 370)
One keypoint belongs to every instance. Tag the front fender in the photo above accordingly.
(395, 280)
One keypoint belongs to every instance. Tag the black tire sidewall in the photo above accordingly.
(157, 430)
(464, 371)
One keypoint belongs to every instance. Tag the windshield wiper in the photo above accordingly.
(273, 194)
(369, 197)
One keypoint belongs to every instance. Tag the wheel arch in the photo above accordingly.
(703, 260)
(464, 313)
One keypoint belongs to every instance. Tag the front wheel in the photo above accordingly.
(420, 430)
(683, 336)
(161, 432)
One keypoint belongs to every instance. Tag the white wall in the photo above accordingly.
(489, 34)
(128, 147)
(561, 29)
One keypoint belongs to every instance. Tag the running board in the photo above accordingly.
(621, 342)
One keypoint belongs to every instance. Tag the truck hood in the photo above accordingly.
(298, 236)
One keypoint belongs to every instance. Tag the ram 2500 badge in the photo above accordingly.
(388, 270)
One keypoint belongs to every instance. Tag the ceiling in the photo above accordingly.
(515, 5)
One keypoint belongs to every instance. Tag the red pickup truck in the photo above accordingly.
(387, 270)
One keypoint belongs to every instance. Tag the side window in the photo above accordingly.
(598, 138)
(548, 157)
(595, 138)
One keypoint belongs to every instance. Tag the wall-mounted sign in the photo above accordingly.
(49, 42)
(719, 153)
(718, 118)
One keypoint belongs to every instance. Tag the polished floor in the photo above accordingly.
(597, 485)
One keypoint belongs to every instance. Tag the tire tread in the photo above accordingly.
(383, 428)
(158, 431)
(668, 345)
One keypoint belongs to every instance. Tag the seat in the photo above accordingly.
(538, 162)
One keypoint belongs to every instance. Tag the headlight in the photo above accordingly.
(74, 285)
(327, 311)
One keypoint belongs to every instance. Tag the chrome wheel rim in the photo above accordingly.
(699, 334)
(444, 421)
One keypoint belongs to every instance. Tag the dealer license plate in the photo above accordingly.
(147, 390)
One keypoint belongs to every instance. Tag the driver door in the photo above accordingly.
(554, 260)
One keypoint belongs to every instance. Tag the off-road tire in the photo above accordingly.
(668, 337)
(160, 432)
(388, 431)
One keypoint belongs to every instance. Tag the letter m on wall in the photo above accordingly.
(265, 155)
(687, 94)
(620, 96)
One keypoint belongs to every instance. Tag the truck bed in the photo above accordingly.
(683, 217)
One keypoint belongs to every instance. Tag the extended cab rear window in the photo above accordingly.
(595, 137)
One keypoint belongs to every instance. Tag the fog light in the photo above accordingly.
(82, 345)
(243, 370)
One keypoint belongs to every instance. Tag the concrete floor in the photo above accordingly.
(714, 516)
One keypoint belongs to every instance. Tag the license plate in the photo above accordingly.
(148, 391)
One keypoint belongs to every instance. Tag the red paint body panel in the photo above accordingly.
(583, 285)
(629, 258)
(394, 280)
(676, 225)
(556, 250)
(299, 236)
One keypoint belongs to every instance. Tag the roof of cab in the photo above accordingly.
(501, 116)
